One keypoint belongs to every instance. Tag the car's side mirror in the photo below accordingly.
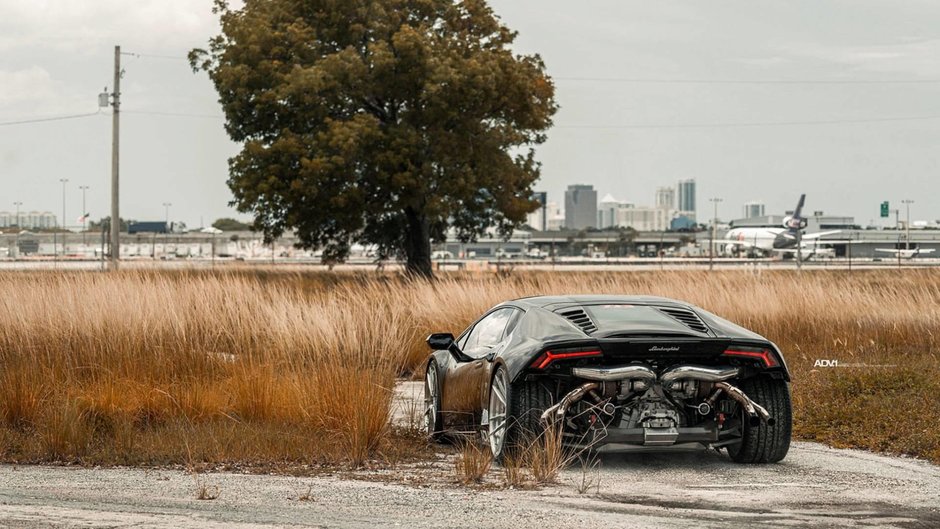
(440, 341)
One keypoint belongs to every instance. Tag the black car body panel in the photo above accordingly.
(542, 327)
(614, 331)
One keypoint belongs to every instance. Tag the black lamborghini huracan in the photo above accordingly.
(613, 373)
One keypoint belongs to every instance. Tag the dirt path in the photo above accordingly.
(815, 486)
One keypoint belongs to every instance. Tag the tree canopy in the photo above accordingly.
(380, 122)
(229, 224)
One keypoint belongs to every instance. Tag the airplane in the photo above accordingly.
(906, 254)
(766, 240)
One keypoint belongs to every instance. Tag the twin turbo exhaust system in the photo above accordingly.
(643, 377)
(752, 408)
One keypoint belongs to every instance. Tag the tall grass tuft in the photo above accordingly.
(545, 456)
(473, 462)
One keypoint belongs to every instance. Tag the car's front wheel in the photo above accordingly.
(498, 413)
(433, 422)
(763, 442)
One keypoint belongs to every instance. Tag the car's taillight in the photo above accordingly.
(548, 357)
(764, 355)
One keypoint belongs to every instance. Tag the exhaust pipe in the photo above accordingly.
(753, 409)
(701, 373)
(559, 410)
(718, 376)
(613, 374)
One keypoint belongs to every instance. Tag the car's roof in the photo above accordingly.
(589, 299)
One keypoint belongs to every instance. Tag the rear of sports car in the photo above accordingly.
(660, 377)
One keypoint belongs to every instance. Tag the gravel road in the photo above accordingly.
(815, 486)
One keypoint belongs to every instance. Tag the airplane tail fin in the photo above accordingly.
(798, 212)
(796, 221)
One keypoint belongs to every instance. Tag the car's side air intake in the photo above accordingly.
(580, 318)
(687, 318)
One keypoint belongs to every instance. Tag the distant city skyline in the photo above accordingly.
(38, 218)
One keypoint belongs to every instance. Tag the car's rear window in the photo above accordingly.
(633, 318)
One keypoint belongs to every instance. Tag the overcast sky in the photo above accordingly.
(755, 100)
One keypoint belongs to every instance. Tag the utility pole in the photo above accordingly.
(899, 249)
(897, 228)
(19, 228)
(64, 181)
(849, 249)
(84, 218)
(907, 225)
(166, 229)
(115, 150)
(714, 234)
(662, 252)
(799, 249)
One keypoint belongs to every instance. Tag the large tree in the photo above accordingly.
(378, 121)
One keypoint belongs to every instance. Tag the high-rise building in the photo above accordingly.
(666, 197)
(686, 205)
(538, 219)
(580, 207)
(555, 219)
(643, 218)
(607, 211)
(753, 210)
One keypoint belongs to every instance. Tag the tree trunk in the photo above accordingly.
(418, 245)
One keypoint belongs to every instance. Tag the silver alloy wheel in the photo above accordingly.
(431, 400)
(497, 411)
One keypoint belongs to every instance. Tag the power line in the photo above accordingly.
(155, 56)
(750, 124)
(638, 80)
(649, 125)
(598, 127)
(44, 120)
(174, 114)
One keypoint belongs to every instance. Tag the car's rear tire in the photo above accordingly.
(765, 443)
(522, 404)
(433, 417)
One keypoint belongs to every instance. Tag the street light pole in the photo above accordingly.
(84, 218)
(907, 225)
(714, 234)
(166, 228)
(19, 228)
(64, 181)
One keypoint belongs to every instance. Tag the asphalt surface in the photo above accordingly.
(814, 486)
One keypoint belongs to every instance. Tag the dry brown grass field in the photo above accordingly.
(260, 368)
